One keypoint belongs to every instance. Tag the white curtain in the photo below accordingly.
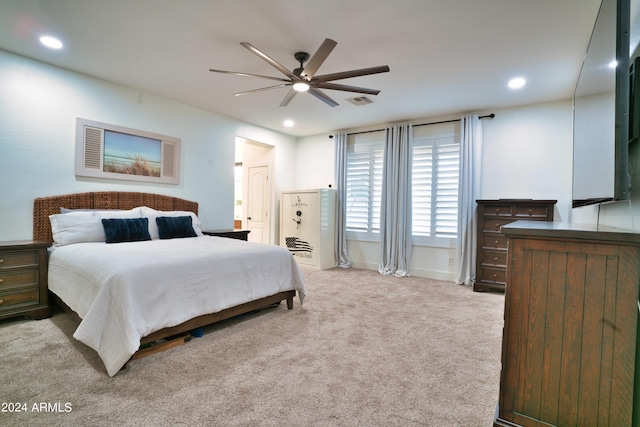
(342, 259)
(468, 191)
(395, 209)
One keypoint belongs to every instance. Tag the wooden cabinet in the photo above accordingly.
(23, 279)
(570, 326)
(491, 255)
(232, 234)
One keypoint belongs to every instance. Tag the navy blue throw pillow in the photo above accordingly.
(171, 227)
(126, 229)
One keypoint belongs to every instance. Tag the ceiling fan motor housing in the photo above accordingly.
(301, 57)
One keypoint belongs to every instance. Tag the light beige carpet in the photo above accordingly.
(364, 350)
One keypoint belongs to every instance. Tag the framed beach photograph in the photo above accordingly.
(115, 152)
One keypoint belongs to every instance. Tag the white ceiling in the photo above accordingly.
(446, 56)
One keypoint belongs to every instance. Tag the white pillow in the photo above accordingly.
(152, 214)
(79, 226)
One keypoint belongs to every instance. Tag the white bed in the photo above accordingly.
(125, 291)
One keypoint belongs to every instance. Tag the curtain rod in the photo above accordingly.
(488, 116)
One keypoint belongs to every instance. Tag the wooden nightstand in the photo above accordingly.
(232, 234)
(23, 279)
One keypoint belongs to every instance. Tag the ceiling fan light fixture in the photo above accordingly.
(301, 86)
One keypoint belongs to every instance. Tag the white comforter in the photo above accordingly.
(124, 291)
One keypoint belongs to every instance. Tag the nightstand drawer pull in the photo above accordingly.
(1, 281)
(1, 261)
(1, 301)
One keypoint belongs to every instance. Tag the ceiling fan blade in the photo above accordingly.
(352, 73)
(261, 89)
(270, 61)
(322, 97)
(318, 58)
(235, 73)
(346, 88)
(288, 98)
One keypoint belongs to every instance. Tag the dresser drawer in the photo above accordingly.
(493, 258)
(8, 300)
(498, 210)
(18, 259)
(494, 224)
(532, 212)
(494, 241)
(494, 275)
(19, 276)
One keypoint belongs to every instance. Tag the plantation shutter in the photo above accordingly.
(364, 188)
(421, 190)
(447, 172)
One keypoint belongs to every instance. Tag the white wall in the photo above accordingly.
(527, 153)
(315, 162)
(39, 105)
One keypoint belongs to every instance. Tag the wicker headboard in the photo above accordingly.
(45, 206)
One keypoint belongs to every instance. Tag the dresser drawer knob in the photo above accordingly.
(1, 261)
(495, 243)
(530, 211)
(495, 258)
(1, 280)
(495, 275)
(1, 301)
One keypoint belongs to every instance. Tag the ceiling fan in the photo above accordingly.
(304, 78)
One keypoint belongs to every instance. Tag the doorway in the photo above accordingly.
(255, 208)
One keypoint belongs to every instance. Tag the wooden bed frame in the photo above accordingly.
(170, 337)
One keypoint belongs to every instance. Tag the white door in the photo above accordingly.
(259, 203)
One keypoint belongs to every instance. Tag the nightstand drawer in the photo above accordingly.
(19, 298)
(18, 259)
(19, 276)
(23, 279)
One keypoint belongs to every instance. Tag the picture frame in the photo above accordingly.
(114, 152)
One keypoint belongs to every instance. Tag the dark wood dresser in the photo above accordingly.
(569, 353)
(491, 256)
(23, 279)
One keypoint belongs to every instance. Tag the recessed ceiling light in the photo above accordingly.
(289, 123)
(517, 83)
(51, 42)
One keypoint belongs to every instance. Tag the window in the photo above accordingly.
(436, 163)
(364, 188)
